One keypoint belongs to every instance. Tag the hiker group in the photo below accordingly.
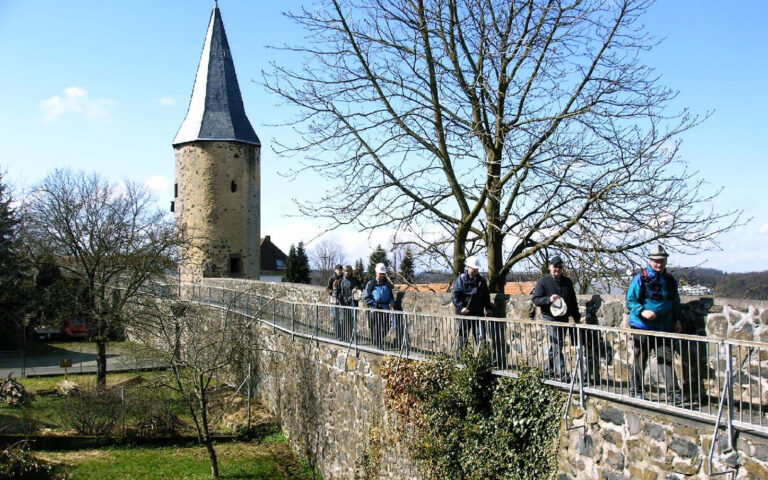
(652, 299)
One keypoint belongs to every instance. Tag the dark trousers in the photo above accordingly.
(378, 322)
(556, 365)
(643, 344)
(346, 323)
(336, 313)
(466, 327)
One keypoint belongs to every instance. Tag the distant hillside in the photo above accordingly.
(751, 285)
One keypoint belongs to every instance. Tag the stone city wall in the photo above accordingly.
(331, 402)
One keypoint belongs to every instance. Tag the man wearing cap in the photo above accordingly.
(333, 292)
(347, 289)
(379, 295)
(471, 297)
(654, 305)
(555, 296)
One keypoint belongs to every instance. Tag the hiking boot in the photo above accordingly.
(638, 395)
(676, 399)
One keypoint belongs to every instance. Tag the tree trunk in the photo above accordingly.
(101, 362)
(206, 434)
(459, 243)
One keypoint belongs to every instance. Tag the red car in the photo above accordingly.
(76, 328)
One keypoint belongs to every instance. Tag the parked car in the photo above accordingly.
(76, 328)
(47, 332)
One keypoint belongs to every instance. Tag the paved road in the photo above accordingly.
(82, 354)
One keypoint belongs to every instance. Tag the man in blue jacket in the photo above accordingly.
(654, 305)
(379, 295)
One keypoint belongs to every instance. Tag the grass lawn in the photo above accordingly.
(269, 459)
(48, 411)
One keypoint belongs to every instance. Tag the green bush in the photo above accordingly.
(471, 424)
(17, 464)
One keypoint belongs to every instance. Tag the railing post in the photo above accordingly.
(293, 320)
(580, 365)
(317, 325)
(729, 386)
(406, 337)
(354, 332)
(274, 316)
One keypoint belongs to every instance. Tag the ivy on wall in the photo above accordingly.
(462, 422)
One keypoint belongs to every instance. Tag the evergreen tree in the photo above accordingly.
(297, 265)
(406, 266)
(15, 282)
(302, 265)
(378, 256)
(290, 265)
(359, 272)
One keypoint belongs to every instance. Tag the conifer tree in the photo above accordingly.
(406, 266)
(290, 265)
(302, 265)
(378, 256)
(15, 281)
(359, 272)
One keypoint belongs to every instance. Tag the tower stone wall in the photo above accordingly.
(217, 206)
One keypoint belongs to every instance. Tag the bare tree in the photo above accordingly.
(111, 239)
(503, 126)
(201, 346)
(325, 256)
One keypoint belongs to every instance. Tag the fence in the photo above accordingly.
(719, 381)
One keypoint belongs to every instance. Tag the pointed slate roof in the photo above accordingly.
(216, 110)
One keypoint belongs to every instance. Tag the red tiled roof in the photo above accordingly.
(510, 288)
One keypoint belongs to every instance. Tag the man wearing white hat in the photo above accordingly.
(555, 296)
(471, 296)
(654, 304)
(379, 295)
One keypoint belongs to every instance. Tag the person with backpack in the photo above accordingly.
(555, 296)
(471, 297)
(654, 305)
(379, 295)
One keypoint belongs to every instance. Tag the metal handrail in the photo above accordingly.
(521, 342)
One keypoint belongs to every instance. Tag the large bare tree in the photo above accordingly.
(325, 256)
(111, 239)
(504, 126)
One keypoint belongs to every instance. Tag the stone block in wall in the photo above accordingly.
(733, 316)
(611, 314)
(717, 326)
(743, 331)
(612, 415)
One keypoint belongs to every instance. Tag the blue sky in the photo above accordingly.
(104, 86)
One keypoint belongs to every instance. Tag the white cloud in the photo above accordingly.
(75, 100)
(159, 186)
(167, 101)
(764, 228)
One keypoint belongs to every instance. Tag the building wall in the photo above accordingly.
(217, 221)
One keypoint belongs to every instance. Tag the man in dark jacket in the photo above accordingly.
(347, 287)
(379, 295)
(555, 291)
(332, 290)
(654, 304)
(471, 297)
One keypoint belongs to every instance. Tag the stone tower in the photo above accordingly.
(217, 185)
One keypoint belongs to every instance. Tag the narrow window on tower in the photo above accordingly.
(173, 206)
(233, 186)
(235, 264)
(175, 190)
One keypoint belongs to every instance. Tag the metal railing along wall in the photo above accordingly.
(699, 377)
